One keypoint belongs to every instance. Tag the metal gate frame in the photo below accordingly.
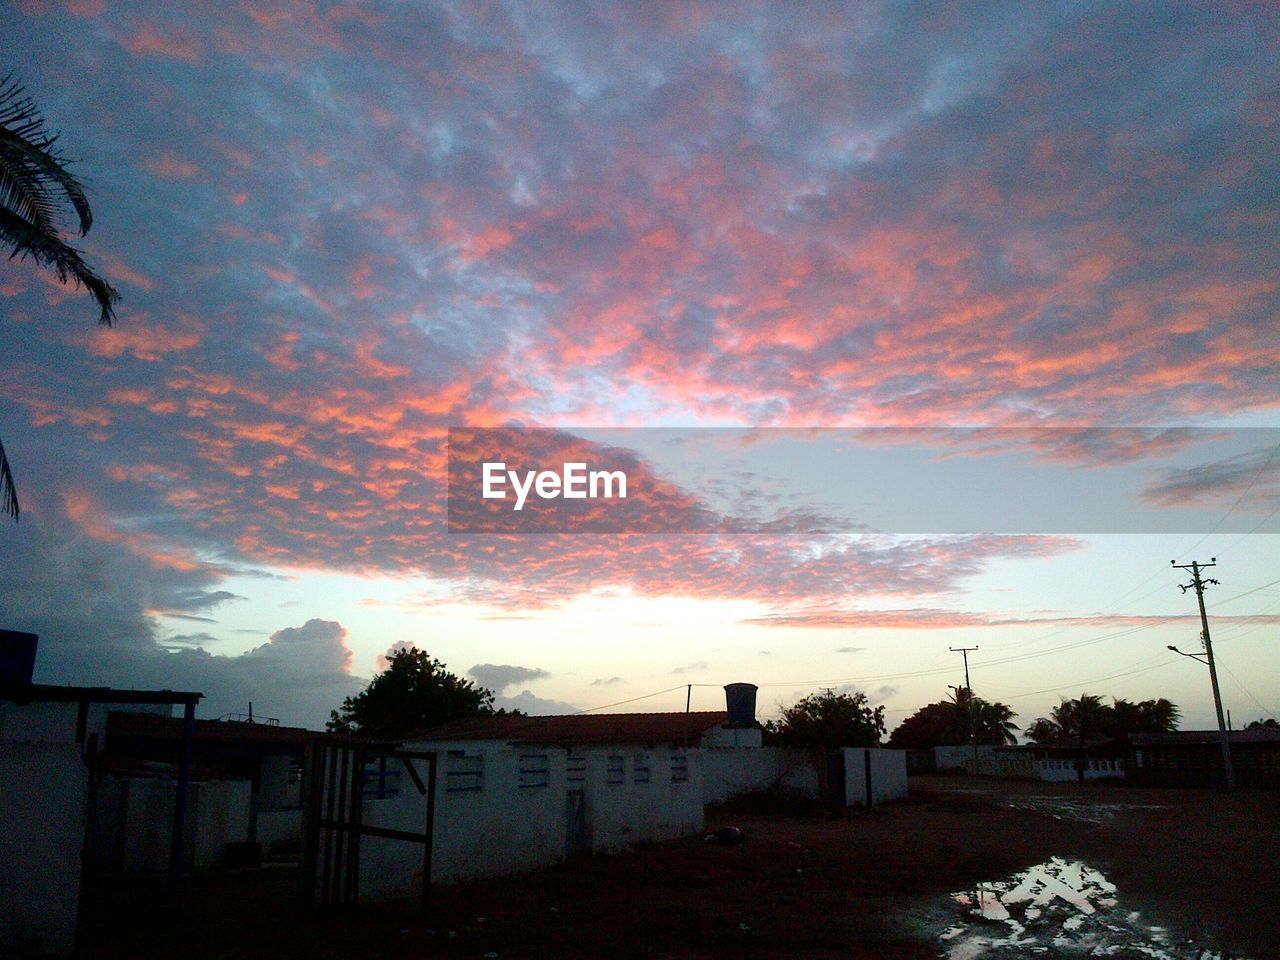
(333, 805)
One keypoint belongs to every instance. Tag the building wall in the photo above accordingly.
(959, 757)
(489, 825)
(888, 775)
(726, 736)
(729, 772)
(53, 722)
(42, 807)
(648, 805)
(502, 809)
(134, 822)
(278, 827)
(1062, 770)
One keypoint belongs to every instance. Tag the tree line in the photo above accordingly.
(417, 692)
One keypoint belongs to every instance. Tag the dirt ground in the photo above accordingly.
(1193, 870)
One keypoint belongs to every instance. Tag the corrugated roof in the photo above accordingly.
(582, 728)
(151, 726)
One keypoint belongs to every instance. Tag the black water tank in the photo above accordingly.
(17, 657)
(740, 701)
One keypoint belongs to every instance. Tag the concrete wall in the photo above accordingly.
(728, 772)
(959, 757)
(733, 737)
(56, 722)
(42, 807)
(1065, 770)
(888, 775)
(502, 809)
(648, 805)
(134, 822)
(279, 827)
(499, 827)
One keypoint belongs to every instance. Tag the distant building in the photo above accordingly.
(1193, 758)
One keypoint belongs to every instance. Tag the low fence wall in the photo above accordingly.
(729, 772)
(888, 775)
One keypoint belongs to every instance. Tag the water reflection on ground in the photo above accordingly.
(1081, 809)
(1061, 908)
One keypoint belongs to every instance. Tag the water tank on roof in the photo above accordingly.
(17, 657)
(740, 701)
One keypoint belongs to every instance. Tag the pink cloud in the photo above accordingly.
(149, 41)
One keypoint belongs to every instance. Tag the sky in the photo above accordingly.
(1021, 257)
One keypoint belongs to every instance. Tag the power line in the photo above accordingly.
(1258, 703)
(1084, 683)
(646, 696)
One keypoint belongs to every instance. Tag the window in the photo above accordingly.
(464, 773)
(575, 770)
(617, 769)
(640, 768)
(382, 777)
(534, 770)
(679, 768)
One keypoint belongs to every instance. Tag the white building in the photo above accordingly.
(49, 737)
(515, 793)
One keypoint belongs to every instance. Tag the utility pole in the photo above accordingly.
(973, 736)
(1198, 584)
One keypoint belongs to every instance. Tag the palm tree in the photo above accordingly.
(1148, 716)
(1044, 731)
(1085, 718)
(993, 722)
(36, 195)
(984, 721)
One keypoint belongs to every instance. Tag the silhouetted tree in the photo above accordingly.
(830, 719)
(415, 692)
(1148, 716)
(947, 722)
(37, 197)
(1081, 721)
(1045, 731)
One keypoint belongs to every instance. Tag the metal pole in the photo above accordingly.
(180, 801)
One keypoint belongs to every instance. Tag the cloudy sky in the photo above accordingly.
(340, 230)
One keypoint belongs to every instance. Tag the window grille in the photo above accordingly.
(464, 773)
(534, 770)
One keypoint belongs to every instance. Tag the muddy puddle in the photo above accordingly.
(1061, 908)
(1082, 810)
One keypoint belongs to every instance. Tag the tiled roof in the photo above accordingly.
(581, 728)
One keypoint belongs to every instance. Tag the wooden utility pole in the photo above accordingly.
(1198, 584)
(973, 735)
